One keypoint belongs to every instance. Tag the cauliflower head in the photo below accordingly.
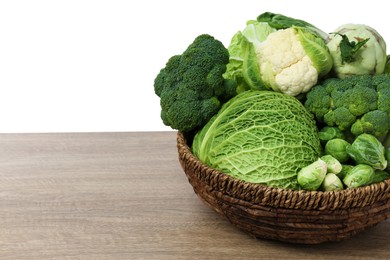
(292, 60)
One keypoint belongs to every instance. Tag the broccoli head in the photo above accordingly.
(318, 101)
(358, 100)
(340, 117)
(355, 104)
(375, 122)
(383, 96)
(191, 86)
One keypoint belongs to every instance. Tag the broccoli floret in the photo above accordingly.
(191, 86)
(375, 122)
(340, 117)
(383, 97)
(359, 100)
(349, 104)
(318, 102)
(355, 93)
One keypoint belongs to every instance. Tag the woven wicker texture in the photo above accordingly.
(307, 217)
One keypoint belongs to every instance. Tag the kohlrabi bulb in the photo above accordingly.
(357, 49)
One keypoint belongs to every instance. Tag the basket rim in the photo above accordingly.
(261, 194)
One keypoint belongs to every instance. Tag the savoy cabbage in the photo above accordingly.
(260, 137)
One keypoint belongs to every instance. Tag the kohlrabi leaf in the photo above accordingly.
(348, 49)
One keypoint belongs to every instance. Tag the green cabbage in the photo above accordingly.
(260, 137)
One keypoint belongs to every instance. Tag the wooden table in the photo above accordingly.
(124, 196)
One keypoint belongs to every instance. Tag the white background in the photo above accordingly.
(89, 66)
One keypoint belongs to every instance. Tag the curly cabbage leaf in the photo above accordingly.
(260, 137)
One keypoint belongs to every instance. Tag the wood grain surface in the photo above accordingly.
(124, 196)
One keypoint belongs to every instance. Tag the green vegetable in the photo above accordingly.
(366, 149)
(260, 137)
(375, 122)
(348, 49)
(380, 176)
(341, 116)
(279, 21)
(337, 148)
(311, 176)
(387, 66)
(358, 176)
(333, 165)
(288, 56)
(328, 132)
(332, 183)
(386, 141)
(357, 104)
(242, 50)
(357, 49)
(191, 86)
(295, 66)
(387, 156)
(346, 168)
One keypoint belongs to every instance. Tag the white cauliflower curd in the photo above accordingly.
(284, 63)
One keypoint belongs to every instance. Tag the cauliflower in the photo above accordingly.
(285, 64)
(279, 53)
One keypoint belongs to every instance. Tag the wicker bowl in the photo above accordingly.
(306, 217)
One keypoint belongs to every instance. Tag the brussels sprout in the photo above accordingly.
(359, 175)
(346, 168)
(330, 132)
(312, 176)
(333, 165)
(387, 155)
(380, 176)
(366, 149)
(332, 182)
(338, 149)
